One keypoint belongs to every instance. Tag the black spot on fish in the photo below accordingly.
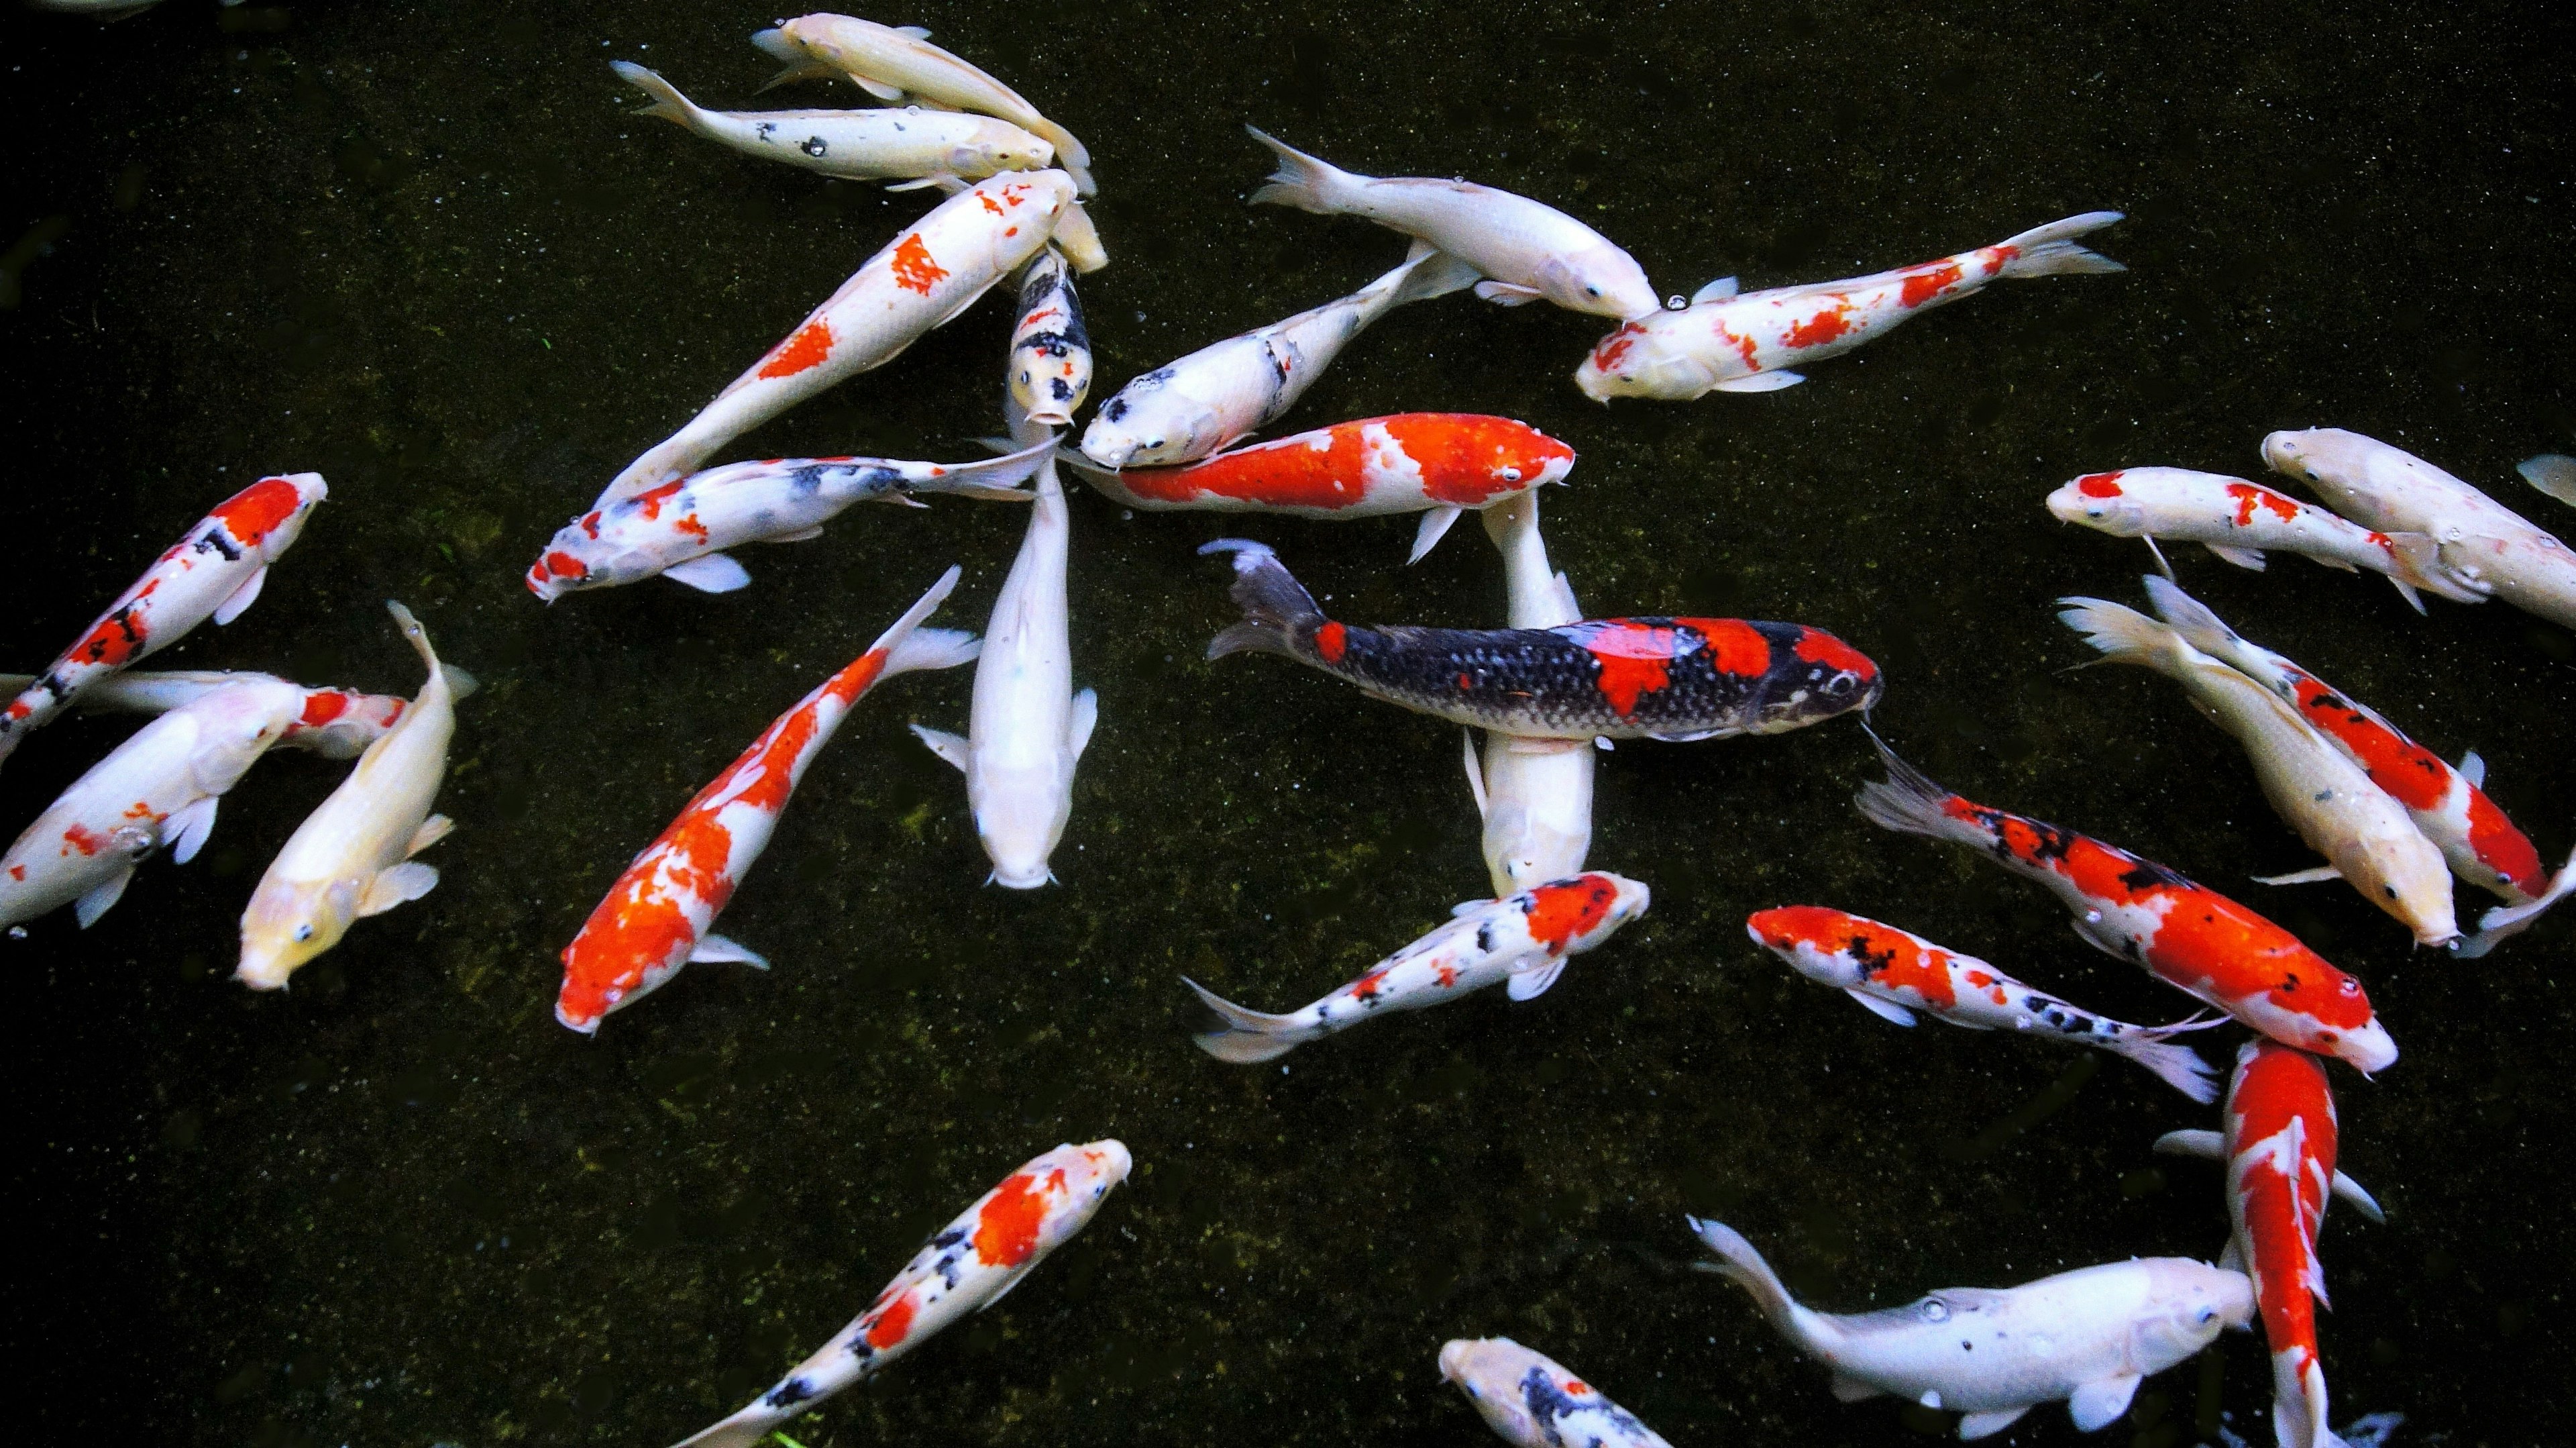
(791, 1392)
(814, 146)
(2147, 873)
(949, 1238)
(1116, 409)
(1485, 937)
(765, 128)
(1870, 964)
(2289, 982)
(214, 541)
(1062, 389)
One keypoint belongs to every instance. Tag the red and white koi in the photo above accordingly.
(912, 144)
(2186, 935)
(922, 280)
(1437, 464)
(681, 529)
(1223, 393)
(1726, 342)
(1896, 973)
(1050, 348)
(966, 1266)
(334, 723)
(2240, 521)
(898, 63)
(656, 918)
(1531, 1400)
(2317, 790)
(159, 787)
(1528, 250)
(2485, 547)
(1524, 939)
(2280, 1153)
(214, 572)
(1534, 795)
(2089, 1336)
(2448, 805)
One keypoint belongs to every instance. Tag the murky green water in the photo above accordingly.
(419, 249)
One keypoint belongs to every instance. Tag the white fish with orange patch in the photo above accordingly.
(1534, 795)
(334, 723)
(912, 145)
(967, 1266)
(1726, 342)
(1529, 1399)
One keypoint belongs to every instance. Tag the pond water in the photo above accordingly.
(428, 251)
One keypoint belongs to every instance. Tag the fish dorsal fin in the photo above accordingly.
(1716, 291)
(1886, 1010)
(916, 32)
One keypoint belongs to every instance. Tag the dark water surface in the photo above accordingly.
(424, 250)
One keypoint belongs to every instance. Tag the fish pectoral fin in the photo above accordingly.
(935, 178)
(2313, 875)
(431, 831)
(242, 597)
(877, 88)
(1883, 1009)
(1531, 983)
(2248, 558)
(724, 949)
(709, 573)
(2098, 1404)
(2473, 769)
(944, 744)
(1435, 526)
(1475, 777)
(2194, 1142)
(1849, 1389)
(1508, 294)
(187, 827)
(1018, 1275)
(397, 885)
(2351, 1193)
(1990, 1422)
(801, 535)
(105, 893)
(1762, 382)
(2230, 1257)
(1692, 737)
(1086, 717)
(1717, 291)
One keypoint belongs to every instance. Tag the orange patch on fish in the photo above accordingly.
(1635, 660)
(1330, 641)
(914, 271)
(2099, 485)
(1559, 913)
(251, 514)
(2249, 497)
(1006, 1230)
(806, 348)
(1922, 286)
(891, 1324)
(1821, 328)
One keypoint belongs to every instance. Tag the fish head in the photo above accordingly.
(237, 723)
(2414, 884)
(1632, 900)
(1490, 1370)
(1148, 425)
(2367, 1048)
(288, 923)
(1812, 939)
(1075, 235)
(1002, 147)
(1816, 677)
(2335, 463)
(309, 491)
(1641, 359)
(568, 561)
(2097, 500)
(1049, 382)
(2196, 1303)
(1600, 279)
(1528, 458)
(1073, 1180)
(1020, 821)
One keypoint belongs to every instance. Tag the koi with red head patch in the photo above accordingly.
(1896, 973)
(1434, 463)
(1726, 342)
(1530, 1400)
(1676, 679)
(2280, 1153)
(215, 572)
(656, 917)
(967, 1266)
(1524, 938)
(2186, 935)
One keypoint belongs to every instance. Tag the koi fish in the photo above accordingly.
(1726, 342)
(1534, 795)
(898, 63)
(2485, 547)
(334, 723)
(2280, 1155)
(1529, 1399)
(2448, 805)
(1434, 463)
(915, 146)
(351, 857)
(1896, 973)
(2317, 790)
(920, 281)
(2186, 935)
(214, 572)
(2239, 521)
(1223, 393)
(969, 1265)
(159, 787)
(655, 919)
(1528, 250)
(1050, 348)
(2551, 473)
(1677, 679)
(680, 529)
(1524, 939)
(2089, 1336)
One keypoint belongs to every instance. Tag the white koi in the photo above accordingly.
(2089, 1336)
(351, 857)
(1526, 249)
(1050, 348)
(334, 723)
(1534, 795)
(910, 144)
(1530, 1400)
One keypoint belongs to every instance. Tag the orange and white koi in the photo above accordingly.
(1534, 795)
(898, 63)
(655, 919)
(2367, 837)
(1050, 347)
(1528, 250)
(912, 145)
(215, 572)
(1726, 342)
(1896, 973)
(966, 1266)
(2449, 806)
(2089, 1336)
(2280, 1153)
(2485, 546)
(1223, 393)
(2186, 935)
(1437, 464)
(1524, 939)
(334, 723)
(1529, 1399)
(2240, 521)
(922, 280)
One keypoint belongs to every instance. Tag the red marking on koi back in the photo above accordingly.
(1558, 914)
(2502, 847)
(806, 348)
(1927, 283)
(84, 839)
(914, 271)
(1734, 646)
(321, 706)
(1006, 1230)
(1823, 327)
(17, 872)
(2249, 497)
(1634, 659)
(2099, 485)
(1330, 641)
(251, 514)
(2414, 776)
(892, 1323)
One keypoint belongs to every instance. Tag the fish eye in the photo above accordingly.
(303, 932)
(1592, 291)
(2391, 889)
(1511, 475)
(2350, 986)
(2205, 1316)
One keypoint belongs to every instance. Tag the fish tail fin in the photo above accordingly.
(2050, 250)
(2299, 1401)
(995, 479)
(1301, 181)
(2199, 625)
(2509, 920)
(2124, 635)
(1243, 1036)
(668, 103)
(2176, 1065)
(937, 648)
(1740, 1264)
(1910, 802)
(1275, 605)
(1429, 272)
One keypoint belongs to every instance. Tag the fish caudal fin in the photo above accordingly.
(1302, 181)
(945, 641)
(2299, 1401)
(1245, 1037)
(2176, 1065)
(994, 479)
(1909, 802)
(2124, 635)
(2506, 921)
(2050, 250)
(932, 648)
(1275, 605)
(1740, 1264)
(668, 103)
